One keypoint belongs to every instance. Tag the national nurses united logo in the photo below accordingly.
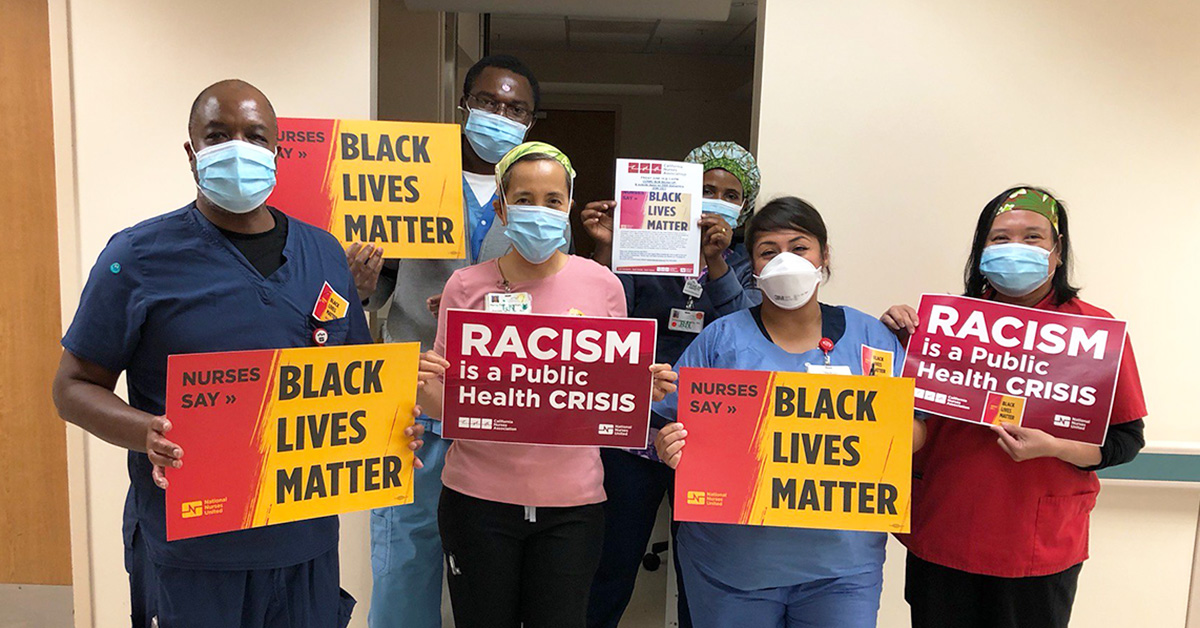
(192, 509)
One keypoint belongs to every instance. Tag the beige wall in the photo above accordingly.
(899, 119)
(704, 97)
(126, 72)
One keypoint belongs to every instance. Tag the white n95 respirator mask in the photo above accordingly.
(789, 280)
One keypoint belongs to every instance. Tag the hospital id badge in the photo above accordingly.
(690, 321)
(828, 369)
(509, 302)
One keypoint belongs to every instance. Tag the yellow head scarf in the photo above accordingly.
(529, 148)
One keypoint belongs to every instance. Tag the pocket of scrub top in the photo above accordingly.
(346, 603)
(338, 330)
(381, 540)
(1061, 530)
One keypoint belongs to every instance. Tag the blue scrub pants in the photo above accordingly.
(406, 550)
(846, 602)
(307, 595)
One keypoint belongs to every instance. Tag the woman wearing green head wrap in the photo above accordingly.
(521, 525)
(1000, 515)
(635, 481)
(730, 176)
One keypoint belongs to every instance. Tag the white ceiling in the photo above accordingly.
(713, 10)
(734, 36)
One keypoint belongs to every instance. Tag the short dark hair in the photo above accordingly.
(1060, 283)
(202, 99)
(787, 213)
(503, 62)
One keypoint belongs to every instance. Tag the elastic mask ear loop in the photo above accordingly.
(503, 199)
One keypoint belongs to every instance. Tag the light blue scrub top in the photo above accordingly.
(758, 557)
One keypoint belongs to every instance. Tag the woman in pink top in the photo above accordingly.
(522, 525)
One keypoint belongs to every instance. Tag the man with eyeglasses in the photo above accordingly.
(500, 97)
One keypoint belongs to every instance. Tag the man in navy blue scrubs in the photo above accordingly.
(224, 273)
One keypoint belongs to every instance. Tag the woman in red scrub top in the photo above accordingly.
(1000, 516)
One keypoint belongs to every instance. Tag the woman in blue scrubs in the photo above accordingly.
(635, 481)
(739, 575)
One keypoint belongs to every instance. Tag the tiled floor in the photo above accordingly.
(28, 606)
(35, 606)
(647, 609)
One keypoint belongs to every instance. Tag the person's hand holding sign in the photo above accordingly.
(669, 443)
(1026, 443)
(714, 240)
(597, 218)
(664, 380)
(429, 382)
(162, 452)
(901, 318)
(365, 263)
(415, 432)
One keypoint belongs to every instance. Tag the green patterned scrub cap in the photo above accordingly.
(529, 148)
(730, 156)
(1031, 200)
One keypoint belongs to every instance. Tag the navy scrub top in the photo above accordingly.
(173, 284)
(654, 296)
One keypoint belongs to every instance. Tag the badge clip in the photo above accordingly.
(826, 346)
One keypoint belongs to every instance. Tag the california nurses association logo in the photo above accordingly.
(644, 167)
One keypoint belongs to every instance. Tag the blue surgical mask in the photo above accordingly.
(492, 135)
(1015, 269)
(535, 231)
(237, 176)
(725, 209)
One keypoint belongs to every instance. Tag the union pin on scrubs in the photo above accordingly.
(175, 284)
(740, 575)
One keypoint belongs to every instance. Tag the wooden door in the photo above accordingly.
(589, 138)
(34, 516)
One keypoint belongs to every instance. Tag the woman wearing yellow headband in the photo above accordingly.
(1000, 516)
(522, 525)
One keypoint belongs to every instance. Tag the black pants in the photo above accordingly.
(306, 595)
(941, 597)
(635, 487)
(506, 571)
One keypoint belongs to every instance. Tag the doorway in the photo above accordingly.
(639, 89)
(589, 138)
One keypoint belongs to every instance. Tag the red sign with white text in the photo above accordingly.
(548, 380)
(986, 362)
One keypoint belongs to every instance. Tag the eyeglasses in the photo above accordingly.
(516, 113)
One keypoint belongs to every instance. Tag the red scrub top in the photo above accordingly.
(977, 510)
